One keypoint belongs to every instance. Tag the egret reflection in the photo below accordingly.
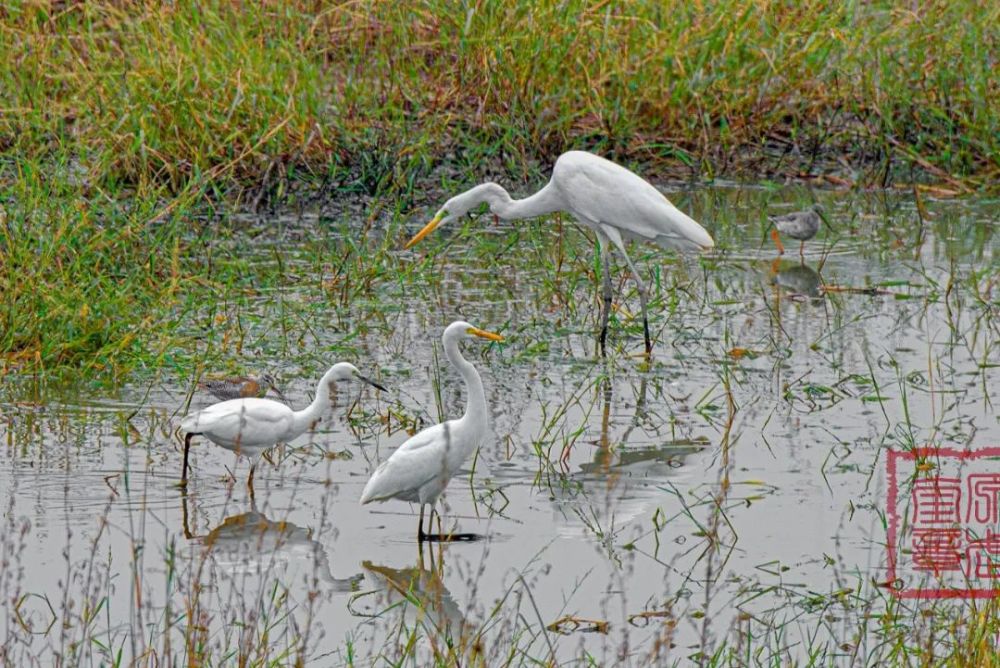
(415, 596)
(252, 544)
(625, 468)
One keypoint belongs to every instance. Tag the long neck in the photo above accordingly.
(475, 407)
(301, 420)
(542, 202)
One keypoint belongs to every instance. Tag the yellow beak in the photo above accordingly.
(483, 334)
(428, 228)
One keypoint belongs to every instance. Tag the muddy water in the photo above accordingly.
(731, 492)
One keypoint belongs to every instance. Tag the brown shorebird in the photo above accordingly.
(241, 387)
(801, 225)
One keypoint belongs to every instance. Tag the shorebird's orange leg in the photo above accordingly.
(777, 241)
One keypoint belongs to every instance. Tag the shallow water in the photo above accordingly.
(732, 489)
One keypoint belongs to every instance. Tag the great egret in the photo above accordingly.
(250, 426)
(617, 204)
(801, 225)
(241, 387)
(419, 470)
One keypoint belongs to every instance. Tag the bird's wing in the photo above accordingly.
(403, 474)
(604, 192)
(786, 217)
(799, 225)
(415, 463)
(433, 435)
(251, 421)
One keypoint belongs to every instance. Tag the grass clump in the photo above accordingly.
(83, 283)
(246, 91)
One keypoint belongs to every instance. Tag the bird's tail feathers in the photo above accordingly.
(375, 487)
(190, 423)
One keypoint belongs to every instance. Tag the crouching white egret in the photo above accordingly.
(419, 470)
(800, 225)
(250, 426)
(617, 204)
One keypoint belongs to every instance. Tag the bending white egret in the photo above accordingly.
(250, 426)
(419, 470)
(617, 204)
(800, 225)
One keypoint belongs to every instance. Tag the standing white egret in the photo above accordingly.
(617, 204)
(800, 225)
(419, 470)
(250, 426)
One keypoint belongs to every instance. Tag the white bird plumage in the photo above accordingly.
(419, 470)
(614, 202)
(251, 426)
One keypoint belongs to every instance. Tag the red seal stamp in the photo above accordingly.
(944, 523)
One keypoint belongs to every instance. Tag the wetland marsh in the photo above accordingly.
(724, 503)
(192, 189)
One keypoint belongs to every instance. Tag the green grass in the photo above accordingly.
(120, 124)
(223, 92)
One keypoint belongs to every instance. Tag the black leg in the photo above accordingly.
(641, 286)
(253, 467)
(606, 294)
(184, 515)
(645, 330)
(184, 468)
(420, 525)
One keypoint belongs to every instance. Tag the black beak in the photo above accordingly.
(366, 379)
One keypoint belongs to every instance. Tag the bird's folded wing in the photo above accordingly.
(254, 420)
(403, 474)
(619, 198)
(223, 423)
(436, 434)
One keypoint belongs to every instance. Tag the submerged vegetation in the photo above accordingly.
(723, 505)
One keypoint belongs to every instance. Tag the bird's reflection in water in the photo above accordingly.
(415, 596)
(797, 280)
(635, 460)
(252, 544)
(622, 477)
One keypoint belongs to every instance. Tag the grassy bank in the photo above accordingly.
(247, 91)
(118, 122)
